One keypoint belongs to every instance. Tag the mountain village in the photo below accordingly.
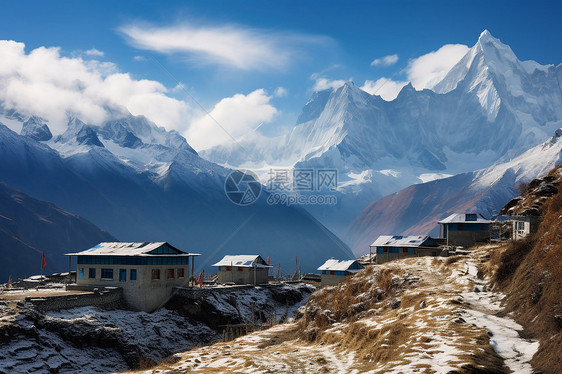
(419, 234)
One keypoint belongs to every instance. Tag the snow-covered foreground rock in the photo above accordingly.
(92, 340)
(430, 315)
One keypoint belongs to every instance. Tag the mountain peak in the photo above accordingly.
(487, 40)
(486, 35)
(36, 128)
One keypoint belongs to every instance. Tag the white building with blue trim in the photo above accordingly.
(146, 271)
(334, 271)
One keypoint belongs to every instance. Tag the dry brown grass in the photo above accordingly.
(348, 301)
(530, 273)
(452, 259)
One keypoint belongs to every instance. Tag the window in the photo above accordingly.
(460, 226)
(81, 272)
(106, 273)
(133, 275)
(229, 268)
(471, 217)
(122, 275)
(332, 272)
(170, 273)
(92, 273)
(405, 250)
(155, 274)
(240, 268)
(181, 273)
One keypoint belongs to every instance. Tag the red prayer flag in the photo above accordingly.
(295, 260)
(201, 280)
(43, 262)
(268, 260)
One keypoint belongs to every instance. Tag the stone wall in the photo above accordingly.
(104, 298)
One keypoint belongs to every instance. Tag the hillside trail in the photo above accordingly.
(448, 320)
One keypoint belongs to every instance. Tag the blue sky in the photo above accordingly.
(296, 45)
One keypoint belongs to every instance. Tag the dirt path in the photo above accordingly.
(448, 321)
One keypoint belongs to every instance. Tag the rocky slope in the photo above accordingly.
(431, 315)
(91, 340)
(529, 271)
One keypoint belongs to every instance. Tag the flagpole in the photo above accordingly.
(41, 276)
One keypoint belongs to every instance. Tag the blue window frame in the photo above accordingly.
(81, 273)
(133, 275)
(122, 275)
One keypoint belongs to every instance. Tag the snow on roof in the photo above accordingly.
(400, 241)
(242, 261)
(465, 218)
(338, 265)
(131, 249)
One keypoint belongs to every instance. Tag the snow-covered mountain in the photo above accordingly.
(490, 107)
(417, 209)
(143, 183)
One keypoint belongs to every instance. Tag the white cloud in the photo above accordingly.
(237, 115)
(139, 58)
(428, 70)
(384, 87)
(423, 72)
(280, 92)
(232, 46)
(44, 83)
(325, 83)
(385, 61)
(94, 53)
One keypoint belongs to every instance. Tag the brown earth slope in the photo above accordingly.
(530, 272)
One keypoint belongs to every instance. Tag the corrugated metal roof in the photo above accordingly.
(129, 249)
(242, 261)
(338, 265)
(400, 241)
(462, 218)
